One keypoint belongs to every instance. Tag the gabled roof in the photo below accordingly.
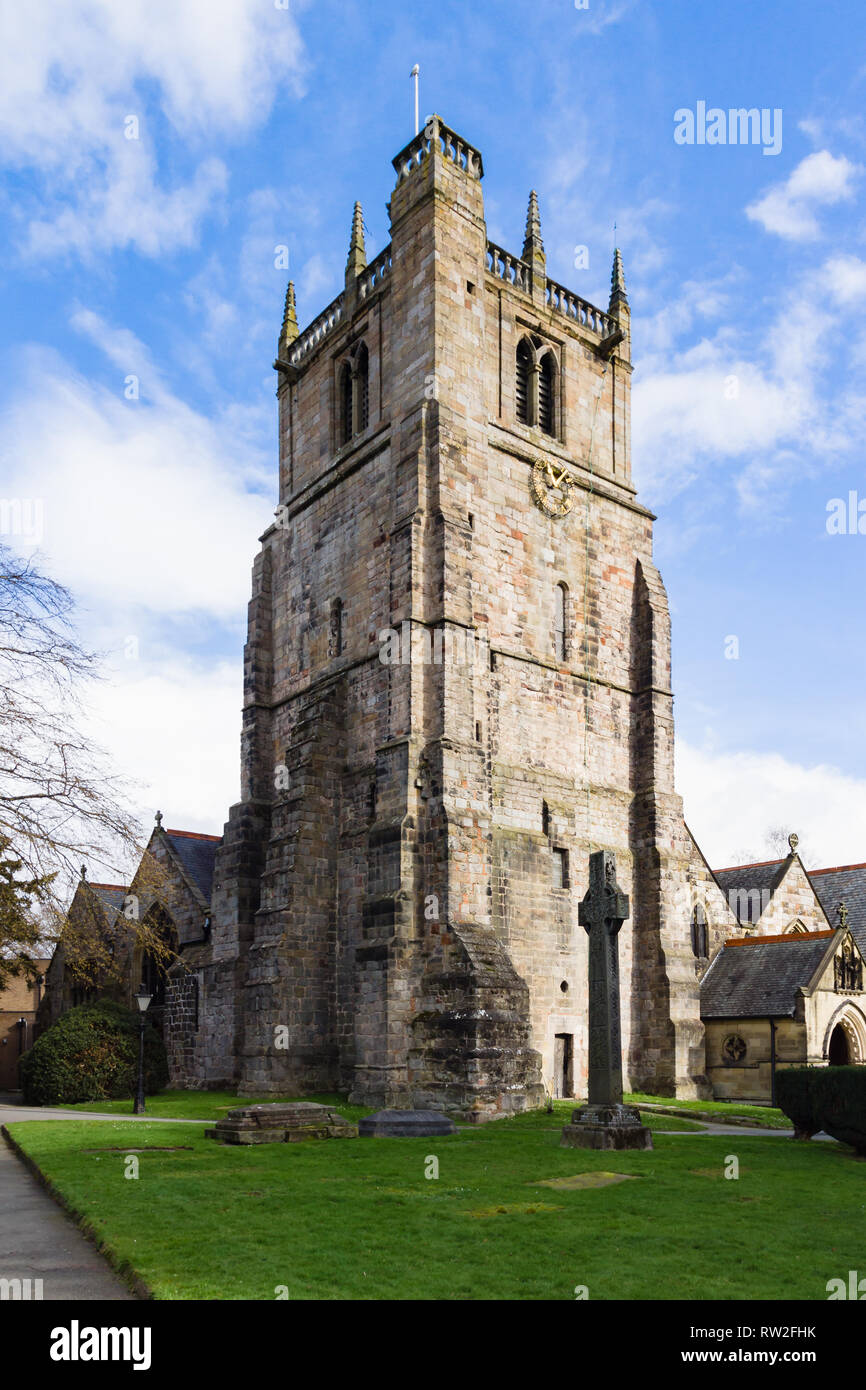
(741, 882)
(111, 895)
(758, 977)
(845, 884)
(197, 854)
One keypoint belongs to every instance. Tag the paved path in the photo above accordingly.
(37, 1239)
(13, 1113)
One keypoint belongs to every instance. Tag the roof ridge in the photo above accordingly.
(194, 835)
(837, 869)
(758, 864)
(115, 887)
(782, 936)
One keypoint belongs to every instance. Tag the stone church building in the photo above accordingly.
(457, 686)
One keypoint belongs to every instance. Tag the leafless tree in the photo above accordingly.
(61, 803)
(775, 846)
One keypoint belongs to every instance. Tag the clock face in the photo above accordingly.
(552, 487)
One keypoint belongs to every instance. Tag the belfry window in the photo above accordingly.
(522, 381)
(546, 394)
(354, 395)
(363, 389)
(560, 621)
(345, 403)
(535, 385)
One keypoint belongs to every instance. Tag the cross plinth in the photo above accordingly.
(605, 1123)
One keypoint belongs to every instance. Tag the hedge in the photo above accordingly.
(828, 1098)
(91, 1053)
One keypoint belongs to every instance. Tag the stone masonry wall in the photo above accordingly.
(391, 909)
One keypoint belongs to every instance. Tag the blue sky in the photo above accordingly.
(153, 258)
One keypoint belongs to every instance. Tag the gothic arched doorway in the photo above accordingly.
(838, 1053)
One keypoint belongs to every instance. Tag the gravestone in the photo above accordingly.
(405, 1124)
(281, 1124)
(605, 1123)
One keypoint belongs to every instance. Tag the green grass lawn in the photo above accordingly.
(356, 1218)
(210, 1105)
(206, 1105)
(764, 1115)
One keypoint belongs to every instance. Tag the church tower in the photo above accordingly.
(457, 686)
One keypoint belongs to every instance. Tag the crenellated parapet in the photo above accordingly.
(319, 329)
(436, 134)
(518, 273)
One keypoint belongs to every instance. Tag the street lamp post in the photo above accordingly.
(143, 1000)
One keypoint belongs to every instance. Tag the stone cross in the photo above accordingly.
(602, 913)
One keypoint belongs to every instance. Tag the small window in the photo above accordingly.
(699, 933)
(545, 818)
(336, 643)
(523, 376)
(560, 621)
(477, 731)
(547, 394)
(560, 868)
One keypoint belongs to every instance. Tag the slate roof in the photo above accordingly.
(846, 884)
(740, 883)
(759, 977)
(197, 854)
(111, 895)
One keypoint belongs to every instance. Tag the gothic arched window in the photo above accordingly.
(522, 381)
(547, 394)
(345, 403)
(560, 621)
(363, 388)
(699, 933)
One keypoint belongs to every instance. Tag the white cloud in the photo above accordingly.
(819, 180)
(71, 75)
(759, 405)
(174, 731)
(712, 405)
(731, 800)
(129, 210)
(845, 279)
(146, 502)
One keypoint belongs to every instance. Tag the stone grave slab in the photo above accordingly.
(405, 1124)
(281, 1124)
